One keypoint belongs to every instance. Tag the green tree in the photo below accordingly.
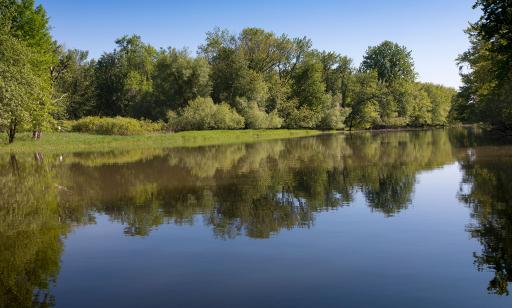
(123, 78)
(256, 65)
(21, 90)
(420, 110)
(28, 50)
(364, 106)
(177, 79)
(308, 85)
(441, 99)
(337, 75)
(73, 84)
(486, 68)
(234, 71)
(391, 61)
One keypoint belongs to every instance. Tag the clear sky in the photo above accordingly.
(432, 29)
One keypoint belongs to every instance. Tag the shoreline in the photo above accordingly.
(65, 142)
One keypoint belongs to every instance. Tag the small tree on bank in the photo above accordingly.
(27, 55)
(22, 95)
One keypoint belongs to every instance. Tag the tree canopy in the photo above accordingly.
(486, 68)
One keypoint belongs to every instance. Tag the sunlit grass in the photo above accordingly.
(77, 142)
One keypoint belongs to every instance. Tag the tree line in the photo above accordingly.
(251, 79)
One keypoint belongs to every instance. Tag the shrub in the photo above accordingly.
(225, 117)
(332, 116)
(114, 126)
(303, 117)
(202, 114)
(256, 118)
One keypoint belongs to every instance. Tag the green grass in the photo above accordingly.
(78, 142)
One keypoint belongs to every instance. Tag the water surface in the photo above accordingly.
(395, 219)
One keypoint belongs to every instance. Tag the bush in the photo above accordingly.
(114, 126)
(303, 117)
(332, 116)
(256, 118)
(203, 114)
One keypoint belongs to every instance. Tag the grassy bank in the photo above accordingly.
(78, 142)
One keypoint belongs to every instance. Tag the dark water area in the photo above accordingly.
(390, 219)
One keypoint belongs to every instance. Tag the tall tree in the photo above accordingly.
(337, 75)
(73, 81)
(365, 103)
(308, 85)
(391, 61)
(177, 79)
(123, 77)
(486, 67)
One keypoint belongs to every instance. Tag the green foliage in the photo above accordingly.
(332, 116)
(391, 61)
(255, 118)
(337, 75)
(495, 28)
(402, 103)
(203, 114)
(420, 112)
(20, 88)
(123, 78)
(486, 68)
(308, 86)
(365, 103)
(74, 84)
(114, 126)
(303, 117)
(240, 66)
(441, 99)
(26, 57)
(177, 79)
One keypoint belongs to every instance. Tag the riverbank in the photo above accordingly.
(81, 142)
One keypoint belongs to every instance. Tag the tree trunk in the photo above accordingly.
(36, 134)
(12, 131)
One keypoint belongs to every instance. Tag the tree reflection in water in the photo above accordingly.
(487, 190)
(253, 190)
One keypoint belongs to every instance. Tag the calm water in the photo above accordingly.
(399, 219)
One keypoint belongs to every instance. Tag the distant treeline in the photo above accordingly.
(254, 79)
(251, 79)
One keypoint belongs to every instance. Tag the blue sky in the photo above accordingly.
(432, 29)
